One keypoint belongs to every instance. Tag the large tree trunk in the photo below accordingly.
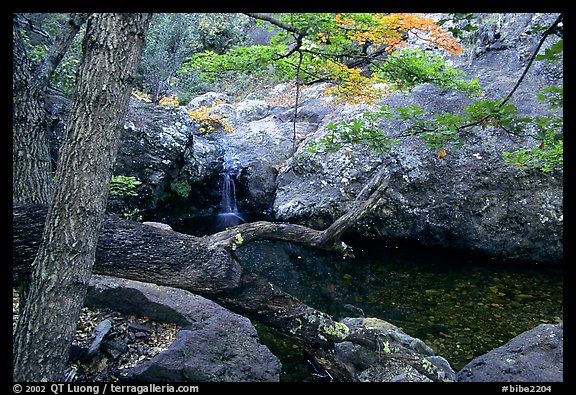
(30, 154)
(31, 169)
(63, 265)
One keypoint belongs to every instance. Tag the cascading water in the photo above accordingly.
(229, 215)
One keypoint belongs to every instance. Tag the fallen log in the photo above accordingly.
(204, 266)
(207, 266)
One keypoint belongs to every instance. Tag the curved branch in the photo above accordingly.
(361, 207)
(328, 239)
(275, 21)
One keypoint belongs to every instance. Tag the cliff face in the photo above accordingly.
(469, 199)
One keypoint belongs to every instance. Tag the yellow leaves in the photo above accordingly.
(323, 37)
(145, 97)
(164, 100)
(169, 101)
(390, 30)
(441, 153)
(208, 121)
(354, 87)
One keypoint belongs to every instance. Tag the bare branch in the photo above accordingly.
(549, 31)
(275, 21)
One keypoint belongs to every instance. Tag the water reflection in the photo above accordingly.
(460, 304)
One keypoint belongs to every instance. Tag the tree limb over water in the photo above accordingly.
(207, 266)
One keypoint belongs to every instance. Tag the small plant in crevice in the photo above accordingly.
(208, 120)
(122, 190)
(121, 186)
(181, 188)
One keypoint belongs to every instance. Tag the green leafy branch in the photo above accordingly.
(409, 68)
(443, 131)
(123, 186)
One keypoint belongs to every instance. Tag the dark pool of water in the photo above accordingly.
(460, 304)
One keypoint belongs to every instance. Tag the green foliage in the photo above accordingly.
(409, 68)
(463, 24)
(121, 186)
(361, 130)
(552, 54)
(166, 46)
(173, 37)
(64, 77)
(181, 188)
(237, 241)
(443, 131)
(340, 48)
(210, 66)
(548, 154)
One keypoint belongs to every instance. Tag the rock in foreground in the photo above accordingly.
(215, 344)
(533, 356)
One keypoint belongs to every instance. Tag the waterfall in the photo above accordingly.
(228, 214)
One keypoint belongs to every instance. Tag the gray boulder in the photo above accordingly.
(533, 356)
(470, 199)
(401, 357)
(261, 147)
(208, 99)
(215, 344)
(154, 141)
(262, 140)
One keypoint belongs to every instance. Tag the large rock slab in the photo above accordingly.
(471, 198)
(154, 141)
(215, 344)
(535, 355)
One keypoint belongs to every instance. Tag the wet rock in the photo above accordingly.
(400, 357)
(535, 355)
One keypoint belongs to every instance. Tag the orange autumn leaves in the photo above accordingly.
(353, 87)
(390, 31)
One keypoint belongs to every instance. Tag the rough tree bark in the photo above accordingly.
(31, 169)
(207, 266)
(30, 153)
(62, 267)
